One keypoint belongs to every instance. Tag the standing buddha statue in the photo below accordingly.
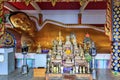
(68, 46)
(60, 39)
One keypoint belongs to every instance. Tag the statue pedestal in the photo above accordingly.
(39, 72)
(66, 76)
(7, 65)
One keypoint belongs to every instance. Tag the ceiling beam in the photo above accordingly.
(10, 7)
(65, 0)
(35, 5)
(50, 0)
(82, 8)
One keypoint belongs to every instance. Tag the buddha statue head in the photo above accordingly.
(22, 22)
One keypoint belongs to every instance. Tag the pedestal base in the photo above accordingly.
(39, 72)
(24, 69)
(69, 76)
(8, 64)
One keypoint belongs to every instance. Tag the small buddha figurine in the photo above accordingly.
(39, 49)
(67, 40)
(56, 68)
(62, 69)
(73, 37)
(77, 56)
(55, 43)
(24, 44)
(60, 39)
(68, 46)
(60, 43)
(80, 69)
(81, 52)
(73, 70)
(58, 56)
(88, 70)
(76, 69)
(83, 69)
(87, 42)
(50, 52)
(52, 68)
(76, 49)
(68, 60)
(48, 67)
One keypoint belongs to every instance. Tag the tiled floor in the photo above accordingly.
(16, 75)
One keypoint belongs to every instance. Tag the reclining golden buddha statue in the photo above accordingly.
(33, 34)
(26, 27)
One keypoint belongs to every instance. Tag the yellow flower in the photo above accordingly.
(68, 52)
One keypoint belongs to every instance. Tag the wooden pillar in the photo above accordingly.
(115, 63)
(79, 18)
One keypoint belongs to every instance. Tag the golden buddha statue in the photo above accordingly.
(68, 46)
(25, 27)
(68, 60)
(60, 38)
(23, 23)
(38, 48)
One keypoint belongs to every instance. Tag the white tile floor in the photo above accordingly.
(16, 75)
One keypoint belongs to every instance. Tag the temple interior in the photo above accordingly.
(59, 40)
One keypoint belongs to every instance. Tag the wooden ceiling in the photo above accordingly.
(73, 5)
(39, 5)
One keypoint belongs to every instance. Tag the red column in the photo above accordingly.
(79, 18)
(40, 18)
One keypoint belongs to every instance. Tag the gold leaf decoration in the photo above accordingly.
(81, 2)
(53, 2)
(27, 2)
(1, 12)
(1, 6)
(1, 1)
(67, 0)
(2, 28)
(117, 2)
(95, 0)
(38, 1)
